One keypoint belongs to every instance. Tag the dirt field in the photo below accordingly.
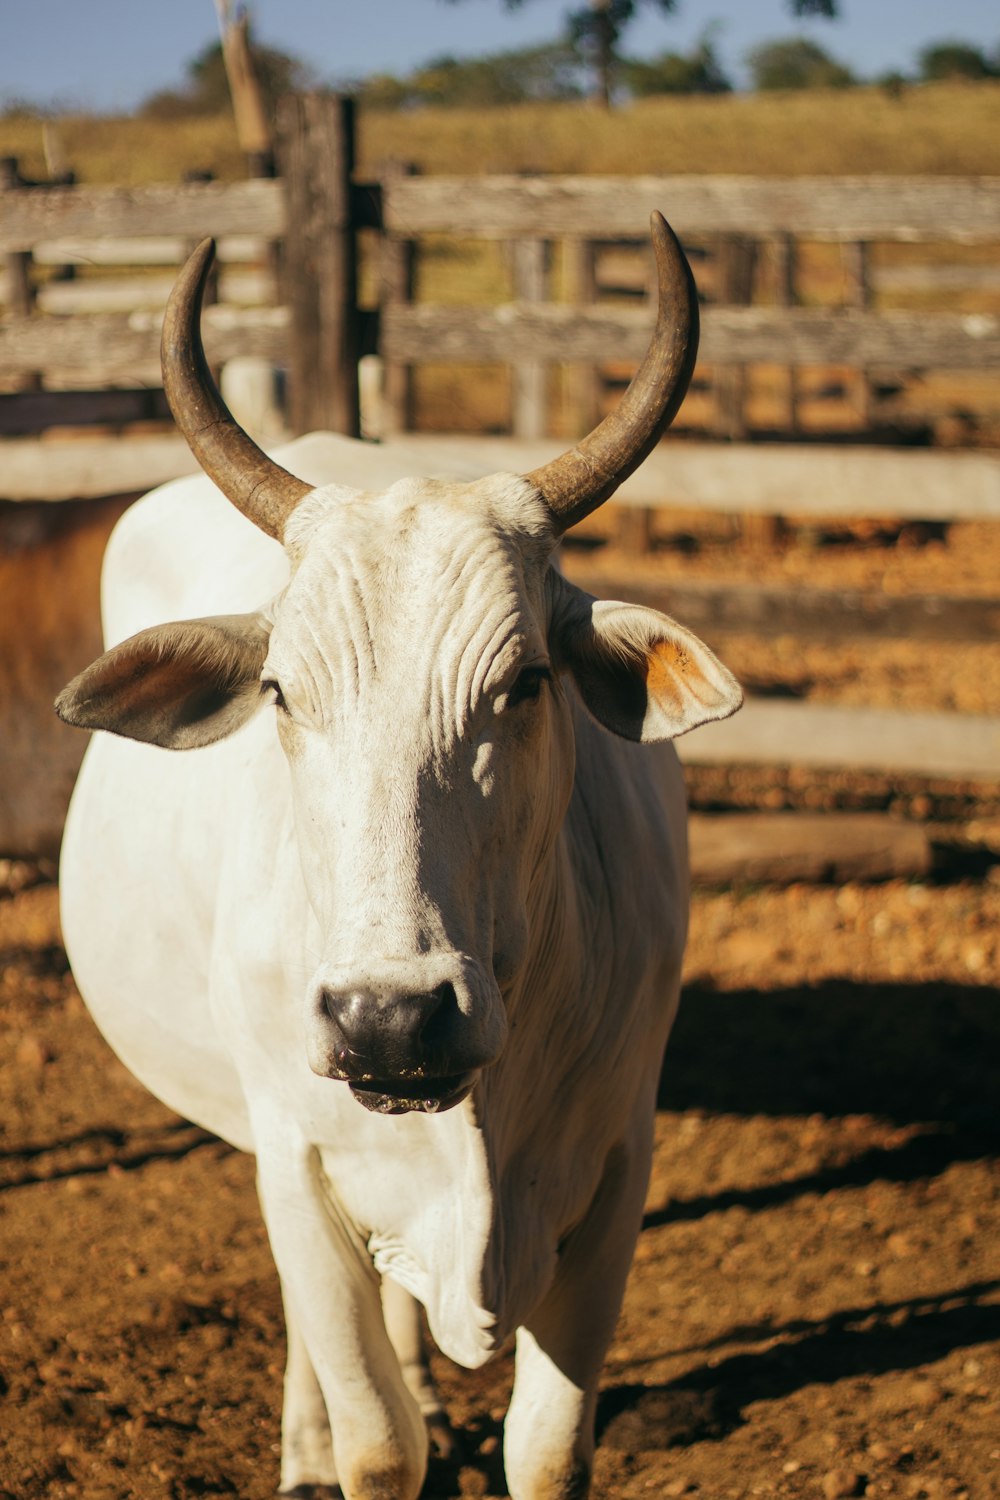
(814, 1308)
(815, 1304)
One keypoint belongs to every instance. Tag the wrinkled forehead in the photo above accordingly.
(423, 533)
(473, 555)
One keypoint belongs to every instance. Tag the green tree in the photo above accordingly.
(550, 72)
(597, 28)
(796, 63)
(949, 60)
(206, 91)
(696, 72)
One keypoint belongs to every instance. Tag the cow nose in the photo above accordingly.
(380, 1034)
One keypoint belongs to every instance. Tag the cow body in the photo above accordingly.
(400, 866)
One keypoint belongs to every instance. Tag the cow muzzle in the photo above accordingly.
(404, 1047)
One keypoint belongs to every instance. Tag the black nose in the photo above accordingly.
(378, 1034)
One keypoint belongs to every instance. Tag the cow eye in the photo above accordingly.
(528, 685)
(269, 685)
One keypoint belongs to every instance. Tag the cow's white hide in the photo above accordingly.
(193, 933)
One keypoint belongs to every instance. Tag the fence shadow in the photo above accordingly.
(910, 1053)
(708, 1401)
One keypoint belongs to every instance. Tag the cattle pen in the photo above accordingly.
(321, 278)
(814, 1307)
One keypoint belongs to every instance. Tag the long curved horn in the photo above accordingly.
(264, 491)
(582, 479)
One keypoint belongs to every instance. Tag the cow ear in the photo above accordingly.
(180, 686)
(641, 674)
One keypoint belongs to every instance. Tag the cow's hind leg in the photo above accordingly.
(403, 1322)
(308, 1470)
(549, 1431)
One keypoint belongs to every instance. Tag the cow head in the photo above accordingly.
(418, 665)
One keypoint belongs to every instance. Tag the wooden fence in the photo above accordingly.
(301, 309)
(287, 293)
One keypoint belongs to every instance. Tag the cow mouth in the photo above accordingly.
(400, 1096)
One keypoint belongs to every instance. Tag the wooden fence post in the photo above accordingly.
(859, 272)
(529, 413)
(20, 290)
(737, 258)
(316, 150)
(785, 251)
(583, 380)
(253, 130)
(397, 277)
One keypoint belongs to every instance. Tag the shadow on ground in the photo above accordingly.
(909, 1053)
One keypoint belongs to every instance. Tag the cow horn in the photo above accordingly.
(582, 479)
(264, 491)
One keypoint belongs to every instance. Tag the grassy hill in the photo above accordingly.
(933, 128)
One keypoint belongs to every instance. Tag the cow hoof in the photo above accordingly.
(312, 1492)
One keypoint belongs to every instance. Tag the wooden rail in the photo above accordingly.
(963, 210)
(729, 335)
(765, 479)
(820, 735)
(188, 210)
(529, 332)
(822, 480)
(310, 322)
(738, 216)
(822, 208)
(523, 334)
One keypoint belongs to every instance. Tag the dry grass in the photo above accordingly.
(935, 128)
(128, 151)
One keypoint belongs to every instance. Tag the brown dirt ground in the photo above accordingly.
(815, 1303)
(814, 1308)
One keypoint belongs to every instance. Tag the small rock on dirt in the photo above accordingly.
(840, 1483)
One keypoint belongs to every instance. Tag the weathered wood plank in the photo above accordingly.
(785, 847)
(957, 746)
(153, 250)
(135, 293)
(19, 293)
(822, 479)
(26, 412)
(316, 146)
(191, 210)
(85, 470)
(117, 344)
(730, 335)
(845, 208)
(531, 267)
(766, 480)
(935, 278)
(713, 609)
(831, 208)
(736, 260)
(790, 336)
(397, 273)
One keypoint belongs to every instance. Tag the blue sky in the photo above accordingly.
(107, 55)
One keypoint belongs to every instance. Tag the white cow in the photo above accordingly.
(407, 920)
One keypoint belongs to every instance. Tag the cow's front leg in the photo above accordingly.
(549, 1430)
(331, 1292)
(307, 1466)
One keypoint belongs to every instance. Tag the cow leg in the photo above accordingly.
(331, 1290)
(307, 1464)
(549, 1430)
(402, 1320)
